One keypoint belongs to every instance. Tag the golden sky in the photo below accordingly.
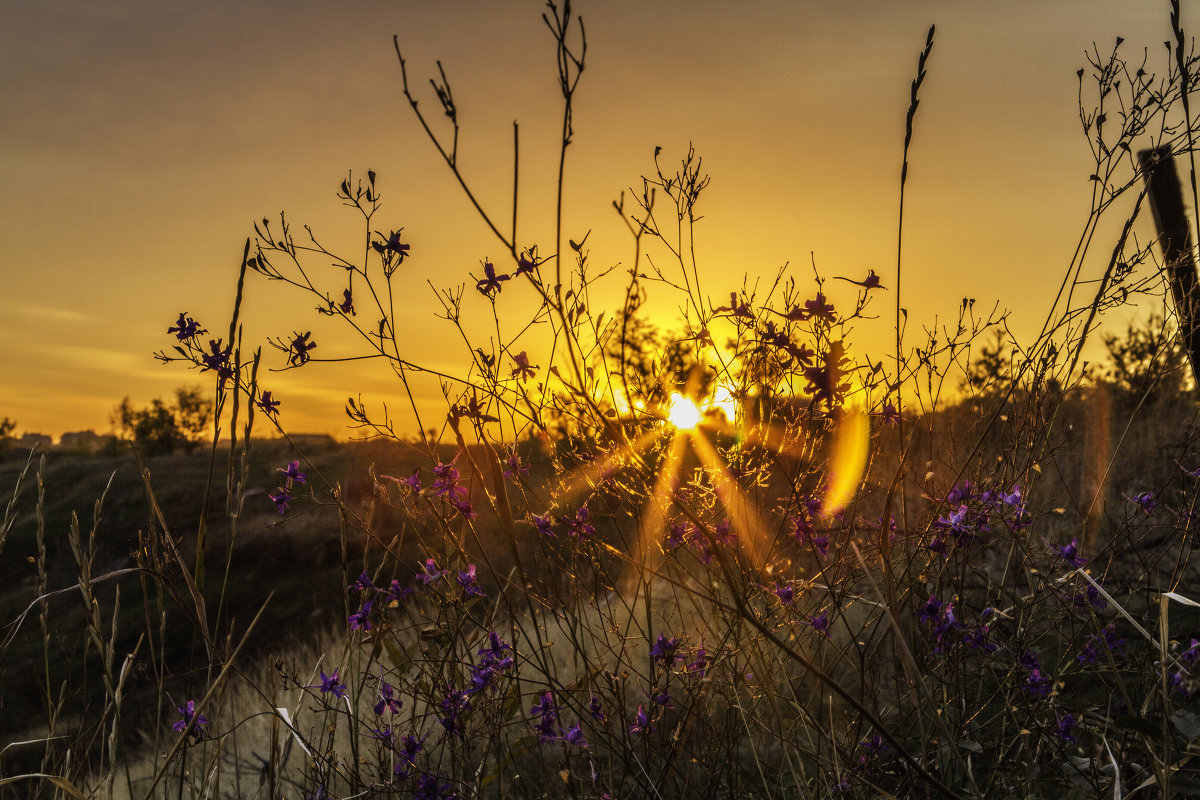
(141, 138)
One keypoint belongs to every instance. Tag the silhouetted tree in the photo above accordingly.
(160, 427)
(1148, 360)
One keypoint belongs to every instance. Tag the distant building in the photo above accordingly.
(30, 440)
(84, 442)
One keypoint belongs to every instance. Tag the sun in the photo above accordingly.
(683, 413)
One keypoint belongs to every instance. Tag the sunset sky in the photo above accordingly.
(141, 138)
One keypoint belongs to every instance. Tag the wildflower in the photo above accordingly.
(735, 308)
(490, 283)
(383, 734)
(663, 698)
(361, 619)
(976, 639)
(267, 404)
(527, 262)
(430, 573)
(641, 722)
(523, 370)
(785, 592)
(361, 583)
(1070, 554)
(871, 281)
(347, 305)
(455, 702)
(820, 624)
(1036, 681)
(330, 684)
(514, 467)
(299, 347)
(890, 415)
(1066, 724)
(579, 527)
(387, 700)
(395, 595)
(665, 650)
(1106, 640)
(217, 360)
(281, 500)
(1181, 678)
(596, 710)
(547, 713)
(185, 328)
(467, 581)
(188, 715)
(292, 473)
(428, 788)
(1145, 501)
(574, 736)
(1090, 596)
(464, 507)
(414, 481)
(447, 481)
(544, 525)
(392, 245)
(930, 610)
(678, 535)
(817, 307)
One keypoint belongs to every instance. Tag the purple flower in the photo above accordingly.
(786, 593)
(447, 481)
(299, 347)
(547, 713)
(428, 788)
(395, 595)
(574, 736)
(579, 527)
(490, 283)
(1095, 647)
(930, 610)
(641, 721)
(527, 262)
(467, 581)
(361, 583)
(514, 467)
(871, 281)
(1036, 681)
(523, 370)
(281, 500)
(217, 360)
(1145, 501)
(665, 650)
(186, 327)
(347, 305)
(330, 684)
(1066, 724)
(387, 700)
(292, 473)
(188, 715)
(1089, 596)
(361, 619)
(820, 624)
(544, 525)
(890, 415)
(817, 307)
(663, 698)
(1070, 554)
(430, 573)
(267, 404)
(392, 245)
(596, 710)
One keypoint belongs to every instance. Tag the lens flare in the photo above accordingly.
(683, 413)
(849, 458)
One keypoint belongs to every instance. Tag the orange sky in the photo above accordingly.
(141, 138)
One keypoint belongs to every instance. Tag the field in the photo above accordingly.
(723, 556)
